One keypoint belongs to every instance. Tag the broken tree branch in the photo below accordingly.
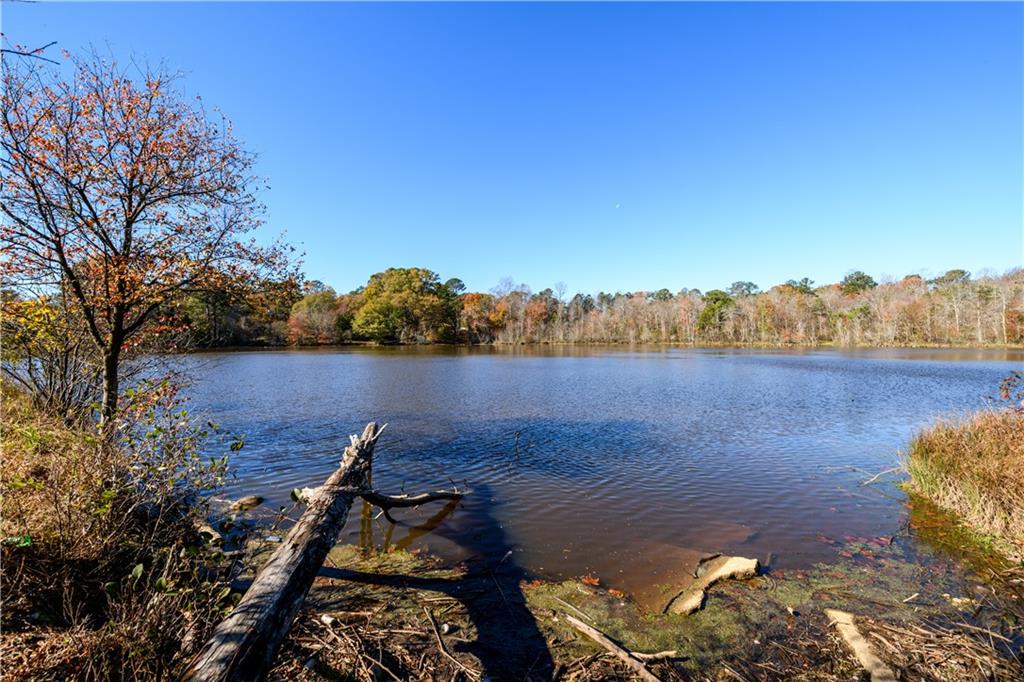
(400, 501)
(389, 502)
(625, 655)
(657, 656)
(851, 636)
(473, 674)
(880, 474)
(244, 644)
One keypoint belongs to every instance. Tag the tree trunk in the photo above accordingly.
(244, 645)
(111, 365)
(1002, 317)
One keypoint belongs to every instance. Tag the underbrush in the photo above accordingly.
(975, 468)
(104, 573)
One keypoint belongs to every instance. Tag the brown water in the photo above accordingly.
(622, 463)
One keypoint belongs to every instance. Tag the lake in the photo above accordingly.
(622, 463)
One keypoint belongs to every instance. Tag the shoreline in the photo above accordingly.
(603, 344)
(499, 621)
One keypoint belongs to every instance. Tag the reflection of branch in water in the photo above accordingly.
(372, 498)
(366, 526)
(427, 526)
(388, 533)
(508, 642)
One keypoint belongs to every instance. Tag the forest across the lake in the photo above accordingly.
(414, 305)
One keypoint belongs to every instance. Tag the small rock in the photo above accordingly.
(246, 503)
(215, 537)
(959, 602)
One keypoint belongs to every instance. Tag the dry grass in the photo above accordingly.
(975, 468)
(103, 576)
(945, 652)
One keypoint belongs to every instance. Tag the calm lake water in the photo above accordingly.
(621, 463)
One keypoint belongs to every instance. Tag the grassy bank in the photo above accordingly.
(103, 573)
(975, 468)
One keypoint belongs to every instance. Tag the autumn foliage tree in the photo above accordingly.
(118, 194)
(313, 318)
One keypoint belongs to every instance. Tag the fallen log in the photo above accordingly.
(719, 568)
(244, 644)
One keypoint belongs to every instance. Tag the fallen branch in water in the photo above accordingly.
(625, 655)
(720, 568)
(245, 643)
(389, 502)
(882, 473)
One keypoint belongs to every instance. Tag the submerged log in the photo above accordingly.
(244, 644)
(717, 568)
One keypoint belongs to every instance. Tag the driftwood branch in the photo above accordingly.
(882, 473)
(658, 656)
(847, 627)
(389, 502)
(625, 655)
(244, 644)
(399, 501)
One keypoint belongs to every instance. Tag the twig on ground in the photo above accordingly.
(568, 605)
(626, 656)
(473, 674)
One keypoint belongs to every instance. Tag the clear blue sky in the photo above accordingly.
(608, 146)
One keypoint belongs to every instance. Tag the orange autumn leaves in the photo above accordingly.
(118, 195)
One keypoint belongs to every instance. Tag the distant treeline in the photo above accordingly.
(413, 305)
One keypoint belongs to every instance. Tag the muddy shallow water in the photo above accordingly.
(626, 464)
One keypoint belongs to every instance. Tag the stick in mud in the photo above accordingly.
(625, 655)
(473, 674)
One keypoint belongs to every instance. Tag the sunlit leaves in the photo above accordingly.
(119, 194)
